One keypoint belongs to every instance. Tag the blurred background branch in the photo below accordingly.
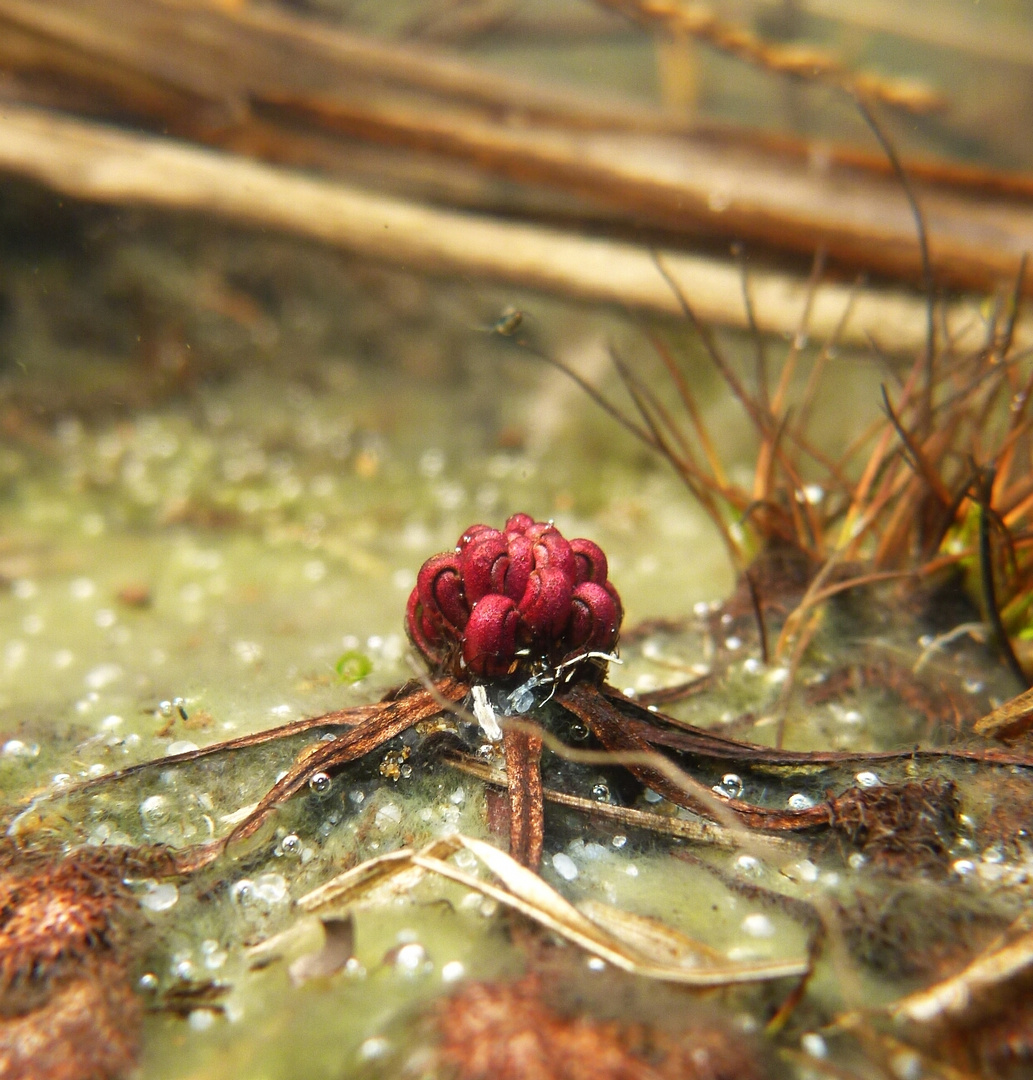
(441, 132)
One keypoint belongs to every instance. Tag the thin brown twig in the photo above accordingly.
(697, 20)
(923, 245)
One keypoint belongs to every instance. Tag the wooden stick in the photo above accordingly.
(101, 164)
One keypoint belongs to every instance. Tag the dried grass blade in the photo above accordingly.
(649, 937)
(688, 400)
(789, 366)
(527, 893)
(759, 417)
(966, 993)
(600, 399)
(357, 885)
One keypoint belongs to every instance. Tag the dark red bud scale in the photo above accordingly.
(514, 597)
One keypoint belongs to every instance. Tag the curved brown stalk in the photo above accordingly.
(593, 707)
(391, 720)
(408, 706)
(349, 718)
(700, 742)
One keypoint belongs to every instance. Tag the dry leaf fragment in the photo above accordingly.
(640, 946)
(975, 989)
(1009, 720)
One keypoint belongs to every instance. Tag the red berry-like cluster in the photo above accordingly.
(501, 597)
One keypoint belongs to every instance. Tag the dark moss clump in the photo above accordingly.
(901, 828)
(916, 931)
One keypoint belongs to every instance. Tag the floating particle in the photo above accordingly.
(813, 1044)
(271, 888)
(758, 925)
(389, 815)
(565, 866)
(160, 898)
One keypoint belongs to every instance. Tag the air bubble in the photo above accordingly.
(15, 748)
(601, 793)
(180, 746)
(814, 1045)
(270, 888)
(291, 844)
(578, 731)
(749, 865)
(868, 779)
(201, 1019)
(320, 783)
(619, 840)
(799, 801)
(243, 892)
(758, 925)
(374, 1048)
(412, 959)
(154, 812)
(807, 871)
(731, 786)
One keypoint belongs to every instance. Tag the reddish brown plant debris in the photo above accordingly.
(53, 915)
(899, 827)
(87, 1030)
(67, 1010)
(1010, 820)
(508, 1032)
(999, 1046)
(136, 594)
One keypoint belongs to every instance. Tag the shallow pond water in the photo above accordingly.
(226, 543)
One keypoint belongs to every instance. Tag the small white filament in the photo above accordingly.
(486, 714)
